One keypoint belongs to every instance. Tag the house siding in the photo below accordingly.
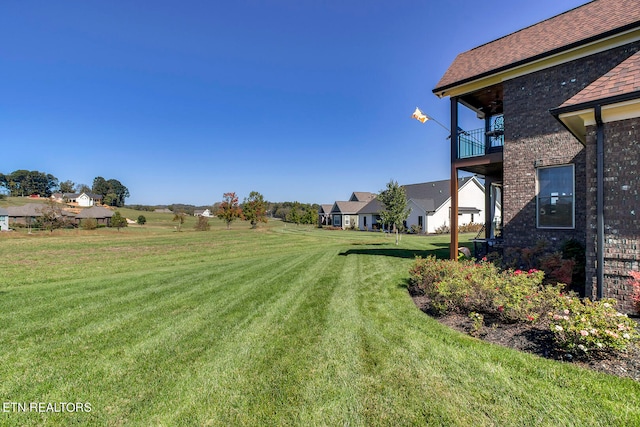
(621, 210)
(534, 138)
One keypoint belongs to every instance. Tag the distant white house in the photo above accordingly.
(84, 200)
(202, 212)
(430, 203)
(4, 219)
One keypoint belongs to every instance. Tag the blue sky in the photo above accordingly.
(182, 101)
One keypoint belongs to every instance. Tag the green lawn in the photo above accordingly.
(283, 325)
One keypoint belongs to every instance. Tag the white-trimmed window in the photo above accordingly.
(556, 196)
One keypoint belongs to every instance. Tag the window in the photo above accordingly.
(420, 221)
(556, 200)
(336, 221)
(347, 220)
(364, 219)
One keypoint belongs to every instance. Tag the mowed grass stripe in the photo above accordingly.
(65, 329)
(242, 379)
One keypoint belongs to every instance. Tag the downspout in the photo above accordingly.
(599, 202)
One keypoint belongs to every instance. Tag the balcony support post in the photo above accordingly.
(453, 223)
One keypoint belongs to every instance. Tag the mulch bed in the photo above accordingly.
(538, 340)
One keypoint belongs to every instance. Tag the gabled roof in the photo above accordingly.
(362, 196)
(95, 212)
(427, 205)
(621, 80)
(33, 210)
(30, 209)
(617, 93)
(373, 207)
(347, 208)
(325, 209)
(428, 195)
(4, 212)
(577, 27)
(437, 191)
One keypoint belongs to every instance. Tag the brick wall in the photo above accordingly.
(621, 209)
(533, 137)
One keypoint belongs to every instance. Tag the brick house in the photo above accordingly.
(558, 142)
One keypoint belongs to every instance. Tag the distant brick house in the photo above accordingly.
(560, 102)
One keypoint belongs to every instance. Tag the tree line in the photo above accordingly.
(253, 208)
(22, 182)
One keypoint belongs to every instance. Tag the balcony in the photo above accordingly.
(479, 151)
(481, 142)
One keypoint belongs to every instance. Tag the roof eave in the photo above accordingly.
(441, 91)
(569, 116)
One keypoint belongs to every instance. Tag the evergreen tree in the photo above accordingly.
(118, 221)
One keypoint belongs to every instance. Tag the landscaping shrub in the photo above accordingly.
(591, 326)
(566, 266)
(469, 287)
(415, 229)
(89, 224)
(202, 224)
(472, 227)
(482, 289)
(443, 229)
(557, 269)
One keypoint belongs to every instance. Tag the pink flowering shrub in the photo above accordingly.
(482, 287)
(635, 283)
(591, 326)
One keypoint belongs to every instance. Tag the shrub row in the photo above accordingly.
(480, 289)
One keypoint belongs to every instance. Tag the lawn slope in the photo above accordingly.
(276, 326)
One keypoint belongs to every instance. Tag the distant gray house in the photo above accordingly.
(362, 196)
(324, 214)
(25, 215)
(345, 214)
(30, 213)
(101, 214)
(4, 219)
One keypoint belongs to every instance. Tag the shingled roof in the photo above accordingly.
(347, 208)
(590, 22)
(96, 212)
(429, 195)
(621, 80)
